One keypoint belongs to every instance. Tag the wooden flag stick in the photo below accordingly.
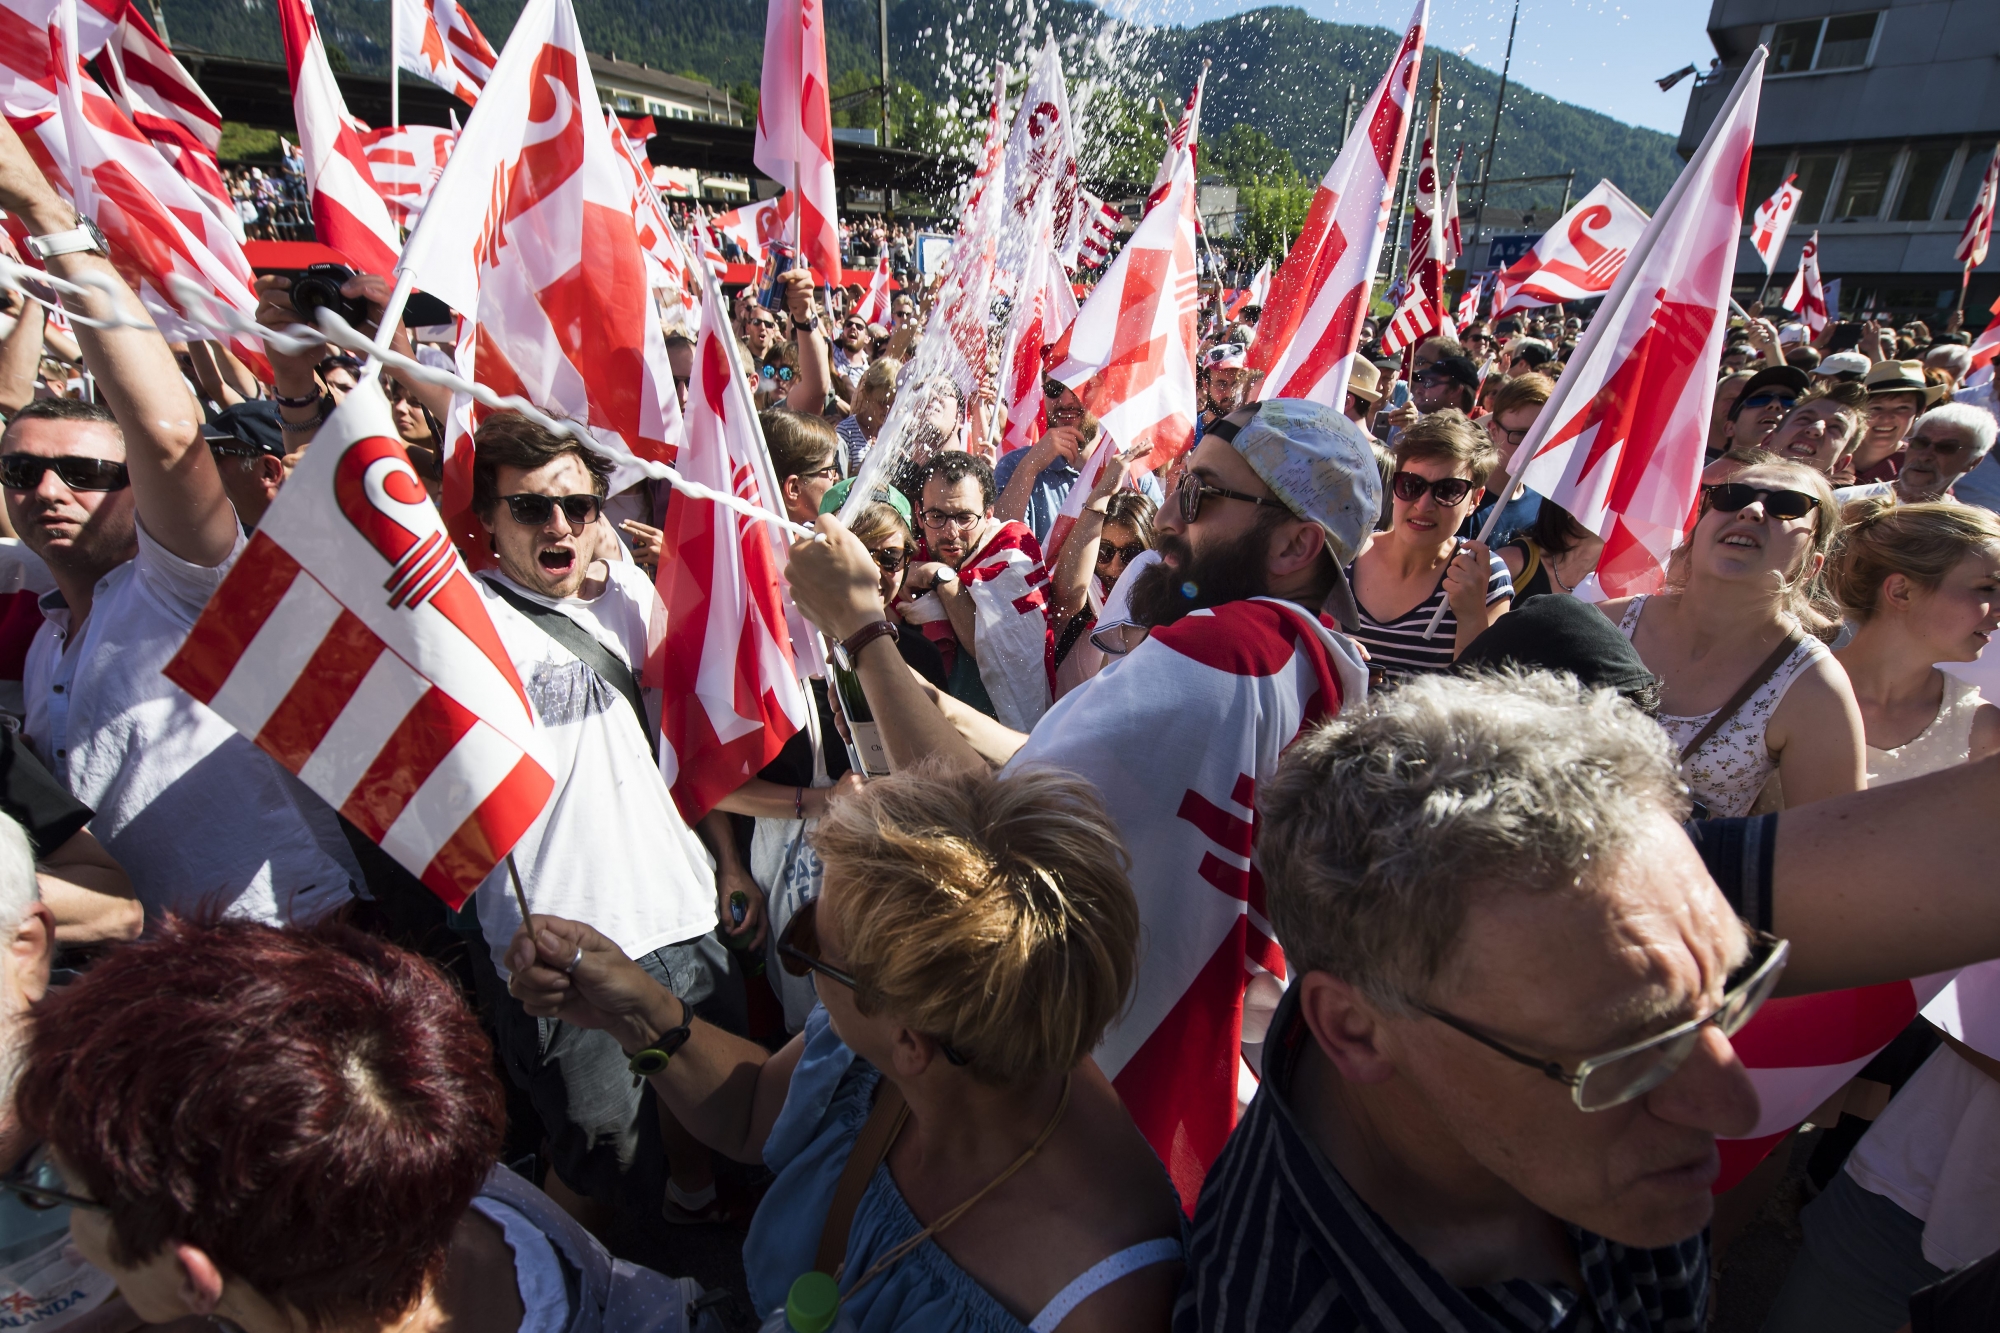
(520, 896)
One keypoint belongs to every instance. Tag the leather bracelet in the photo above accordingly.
(303, 400)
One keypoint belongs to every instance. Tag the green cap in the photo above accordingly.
(814, 1303)
(836, 496)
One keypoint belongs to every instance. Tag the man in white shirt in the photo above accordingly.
(610, 848)
(127, 508)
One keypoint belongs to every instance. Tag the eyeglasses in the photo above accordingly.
(893, 559)
(1605, 1081)
(1192, 490)
(1731, 496)
(23, 472)
(765, 323)
(533, 510)
(798, 951)
(1127, 553)
(1513, 437)
(38, 1184)
(830, 470)
(1942, 448)
(939, 519)
(1447, 491)
(1766, 398)
(782, 374)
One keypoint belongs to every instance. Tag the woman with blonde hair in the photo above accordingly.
(1745, 688)
(1921, 585)
(943, 1144)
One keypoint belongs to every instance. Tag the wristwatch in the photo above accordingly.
(848, 651)
(653, 1058)
(83, 238)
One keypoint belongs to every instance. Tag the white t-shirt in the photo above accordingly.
(1935, 1153)
(192, 809)
(610, 849)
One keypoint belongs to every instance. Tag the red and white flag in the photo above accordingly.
(1262, 672)
(794, 144)
(347, 210)
(1578, 258)
(1806, 297)
(637, 131)
(1468, 301)
(756, 227)
(406, 162)
(1308, 332)
(1620, 443)
(157, 226)
(349, 643)
(28, 79)
(1095, 232)
(1422, 312)
(1104, 455)
(703, 233)
(162, 99)
(1043, 316)
(1129, 354)
(1772, 222)
(877, 303)
(1971, 249)
(439, 41)
(1986, 348)
(963, 315)
(1258, 292)
(1183, 138)
(530, 237)
(1008, 582)
(730, 691)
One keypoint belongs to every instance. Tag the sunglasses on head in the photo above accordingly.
(1128, 553)
(798, 952)
(1731, 496)
(1447, 491)
(24, 472)
(534, 510)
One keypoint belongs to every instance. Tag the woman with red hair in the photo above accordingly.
(297, 1130)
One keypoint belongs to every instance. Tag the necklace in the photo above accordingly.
(896, 1255)
(1566, 587)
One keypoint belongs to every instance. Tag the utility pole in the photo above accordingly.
(882, 25)
(160, 23)
(1493, 140)
(1347, 115)
(1569, 187)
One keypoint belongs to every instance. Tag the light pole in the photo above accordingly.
(1486, 172)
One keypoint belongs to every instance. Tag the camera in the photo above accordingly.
(318, 287)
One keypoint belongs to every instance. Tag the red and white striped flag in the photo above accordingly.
(704, 236)
(1102, 456)
(876, 303)
(406, 162)
(1308, 332)
(349, 643)
(1185, 135)
(1772, 222)
(666, 261)
(1096, 230)
(1806, 297)
(637, 131)
(1620, 443)
(1043, 317)
(1578, 258)
(794, 143)
(1986, 348)
(28, 80)
(347, 210)
(730, 691)
(1422, 312)
(440, 42)
(530, 236)
(1130, 351)
(1258, 292)
(154, 221)
(1971, 249)
(162, 99)
(1468, 301)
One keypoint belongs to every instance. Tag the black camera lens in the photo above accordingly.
(319, 287)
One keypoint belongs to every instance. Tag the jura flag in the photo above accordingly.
(1971, 250)
(1578, 258)
(406, 162)
(349, 643)
(876, 304)
(1773, 221)
(1258, 292)
(162, 99)
(1308, 332)
(794, 143)
(348, 214)
(1805, 296)
(1620, 443)
(437, 40)
(755, 227)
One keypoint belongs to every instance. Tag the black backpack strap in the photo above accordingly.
(587, 649)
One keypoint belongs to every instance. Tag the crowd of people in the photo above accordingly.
(1156, 923)
(272, 205)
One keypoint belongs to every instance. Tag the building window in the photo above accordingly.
(1840, 42)
(1866, 182)
(1767, 172)
(1970, 173)
(1923, 180)
(1815, 173)
(656, 108)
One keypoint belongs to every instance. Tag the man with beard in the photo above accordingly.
(1177, 735)
(1226, 379)
(1035, 481)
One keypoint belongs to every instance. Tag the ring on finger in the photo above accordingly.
(570, 968)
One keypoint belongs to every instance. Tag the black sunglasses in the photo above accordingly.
(1447, 491)
(893, 560)
(1731, 496)
(534, 510)
(1192, 490)
(1128, 553)
(798, 951)
(37, 1184)
(1766, 398)
(23, 472)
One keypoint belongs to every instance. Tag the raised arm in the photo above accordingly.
(808, 391)
(21, 355)
(174, 482)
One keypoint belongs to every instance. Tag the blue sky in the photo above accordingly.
(1600, 54)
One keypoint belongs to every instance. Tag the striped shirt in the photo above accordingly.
(1399, 647)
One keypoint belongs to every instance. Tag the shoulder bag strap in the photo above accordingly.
(870, 1147)
(592, 653)
(1765, 670)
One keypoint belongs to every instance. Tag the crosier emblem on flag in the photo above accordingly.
(1773, 221)
(1578, 258)
(349, 643)
(439, 41)
(1805, 296)
(406, 163)
(754, 227)
(794, 143)
(1308, 332)
(1620, 443)
(347, 211)
(731, 696)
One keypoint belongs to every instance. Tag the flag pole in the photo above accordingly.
(520, 895)
(1964, 281)
(395, 51)
(392, 314)
(1493, 140)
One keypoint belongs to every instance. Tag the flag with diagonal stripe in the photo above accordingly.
(349, 643)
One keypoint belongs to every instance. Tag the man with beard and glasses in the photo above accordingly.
(1226, 380)
(1242, 657)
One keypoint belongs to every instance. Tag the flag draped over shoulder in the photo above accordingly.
(347, 210)
(1307, 335)
(349, 643)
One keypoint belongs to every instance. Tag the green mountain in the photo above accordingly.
(1278, 70)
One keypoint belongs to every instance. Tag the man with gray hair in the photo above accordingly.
(1492, 1093)
(1944, 445)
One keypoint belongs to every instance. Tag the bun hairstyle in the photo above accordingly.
(1922, 542)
